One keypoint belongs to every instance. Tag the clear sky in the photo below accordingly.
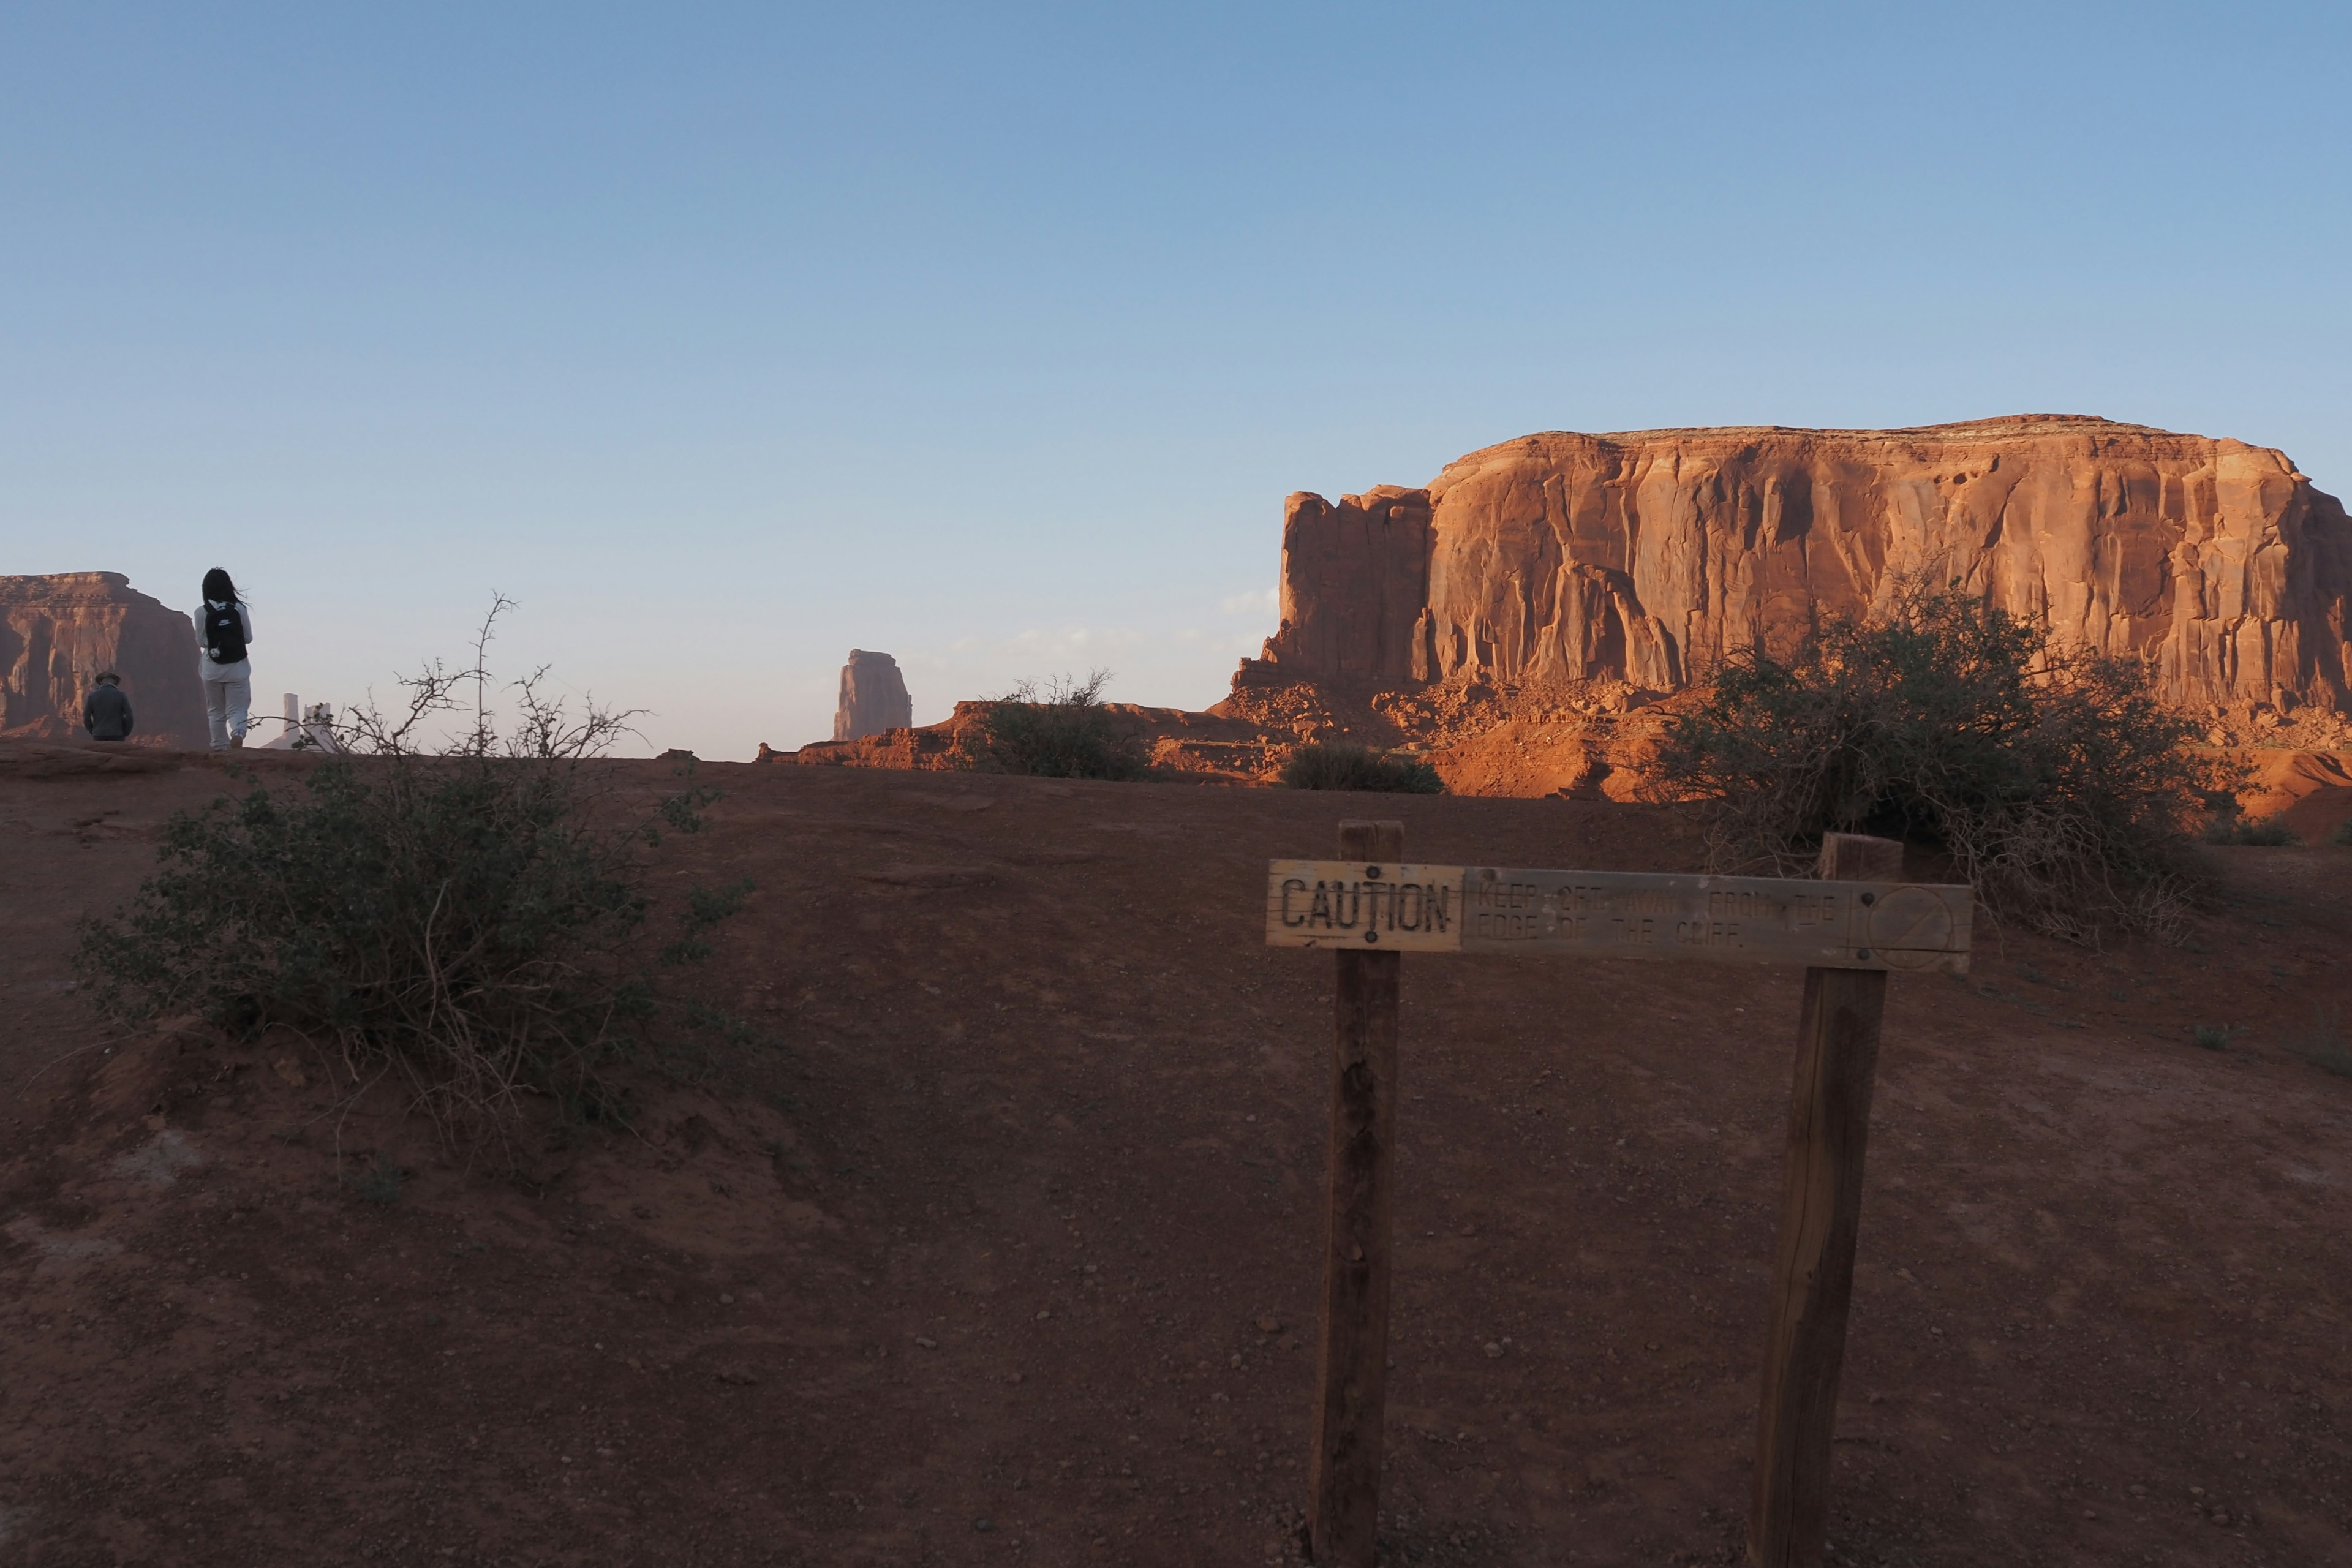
(726, 339)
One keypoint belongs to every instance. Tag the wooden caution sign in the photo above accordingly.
(1850, 928)
(1908, 926)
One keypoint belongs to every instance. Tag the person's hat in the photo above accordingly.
(109, 675)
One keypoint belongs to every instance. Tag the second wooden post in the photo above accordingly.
(1821, 1212)
(1343, 1478)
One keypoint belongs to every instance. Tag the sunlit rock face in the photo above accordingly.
(57, 631)
(873, 697)
(1643, 556)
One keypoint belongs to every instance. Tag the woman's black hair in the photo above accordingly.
(218, 588)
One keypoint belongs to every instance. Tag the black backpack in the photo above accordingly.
(223, 634)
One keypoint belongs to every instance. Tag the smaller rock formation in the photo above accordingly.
(873, 697)
(57, 632)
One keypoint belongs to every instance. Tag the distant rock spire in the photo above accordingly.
(873, 697)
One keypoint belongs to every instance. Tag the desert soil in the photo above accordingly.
(1003, 1251)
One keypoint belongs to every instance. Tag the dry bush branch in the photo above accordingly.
(469, 914)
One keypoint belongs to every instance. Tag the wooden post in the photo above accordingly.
(1821, 1210)
(1343, 1477)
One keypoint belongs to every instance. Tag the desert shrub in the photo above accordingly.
(2343, 833)
(1341, 764)
(2323, 1045)
(471, 915)
(2213, 1037)
(2265, 832)
(1062, 731)
(380, 1182)
(2062, 788)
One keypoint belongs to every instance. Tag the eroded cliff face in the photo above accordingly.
(57, 631)
(1643, 556)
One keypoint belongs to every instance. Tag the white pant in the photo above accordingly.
(228, 692)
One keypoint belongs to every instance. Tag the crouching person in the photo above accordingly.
(107, 713)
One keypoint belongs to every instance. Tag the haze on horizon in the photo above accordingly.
(726, 339)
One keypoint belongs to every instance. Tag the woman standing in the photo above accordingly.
(224, 628)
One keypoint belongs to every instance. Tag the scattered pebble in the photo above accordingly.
(1269, 1325)
(926, 1343)
(1493, 1348)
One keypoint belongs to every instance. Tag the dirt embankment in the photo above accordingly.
(1005, 1250)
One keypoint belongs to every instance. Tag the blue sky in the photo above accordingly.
(726, 339)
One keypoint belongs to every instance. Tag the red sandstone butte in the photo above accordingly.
(1644, 555)
(873, 697)
(57, 632)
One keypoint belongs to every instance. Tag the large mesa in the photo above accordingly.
(1645, 556)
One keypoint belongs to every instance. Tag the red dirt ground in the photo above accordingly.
(977, 1265)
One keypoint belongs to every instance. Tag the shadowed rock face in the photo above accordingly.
(57, 631)
(873, 697)
(1643, 556)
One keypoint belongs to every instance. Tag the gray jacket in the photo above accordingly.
(106, 713)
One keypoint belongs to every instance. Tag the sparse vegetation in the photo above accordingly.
(2323, 1045)
(2059, 784)
(1342, 764)
(1062, 731)
(469, 915)
(2214, 1036)
(2265, 832)
(378, 1181)
(2343, 833)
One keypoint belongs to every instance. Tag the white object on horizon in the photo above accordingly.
(305, 729)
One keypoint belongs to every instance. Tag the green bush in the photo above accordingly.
(1063, 733)
(471, 917)
(2213, 1037)
(1341, 764)
(2343, 833)
(2062, 788)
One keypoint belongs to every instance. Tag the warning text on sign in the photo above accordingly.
(1606, 914)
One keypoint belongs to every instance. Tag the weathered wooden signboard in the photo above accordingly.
(1850, 930)
(1618, 914)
